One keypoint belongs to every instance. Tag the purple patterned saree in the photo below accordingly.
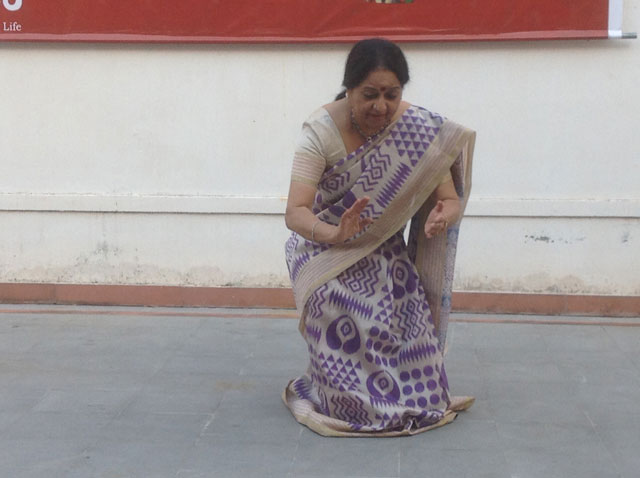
(374, 310)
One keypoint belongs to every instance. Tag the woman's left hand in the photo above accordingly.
(436, 222)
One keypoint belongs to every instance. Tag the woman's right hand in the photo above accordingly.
(351, 222)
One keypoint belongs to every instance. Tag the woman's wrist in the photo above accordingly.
(323, 233)
(313, 229)
(451, 210)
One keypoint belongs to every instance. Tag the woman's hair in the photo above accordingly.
(370, 55)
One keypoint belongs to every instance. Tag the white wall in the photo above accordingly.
(168, 164)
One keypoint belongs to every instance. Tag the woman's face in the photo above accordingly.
(375, 100)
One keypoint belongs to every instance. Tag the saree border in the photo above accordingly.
(435, 257)
(304, 413)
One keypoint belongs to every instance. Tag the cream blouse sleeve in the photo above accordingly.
(319, 147)
(308, 160)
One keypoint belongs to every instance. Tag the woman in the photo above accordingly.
(374, 310)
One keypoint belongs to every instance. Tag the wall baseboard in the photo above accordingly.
(176, 296)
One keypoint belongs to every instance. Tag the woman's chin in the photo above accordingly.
(377, 124)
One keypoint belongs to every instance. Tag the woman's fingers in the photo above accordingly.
(436, 222)
(364, 222)
(356, 209)
(359, 205)
(433, 228)
(351, 221)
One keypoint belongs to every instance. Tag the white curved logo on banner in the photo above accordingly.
(12, 6)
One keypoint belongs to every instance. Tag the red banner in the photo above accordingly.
(300, 20)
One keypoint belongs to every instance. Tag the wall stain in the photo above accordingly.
(540, 283)
(546, 239)
(549, 240)
(625, 237)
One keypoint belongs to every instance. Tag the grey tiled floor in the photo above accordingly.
(108, 392)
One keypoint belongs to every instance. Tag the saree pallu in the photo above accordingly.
(374, 309)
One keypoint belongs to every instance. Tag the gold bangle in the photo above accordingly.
(313, 228)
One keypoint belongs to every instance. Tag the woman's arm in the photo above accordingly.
(445, 212)
(300, 219)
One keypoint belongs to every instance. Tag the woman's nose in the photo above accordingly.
(380, 106)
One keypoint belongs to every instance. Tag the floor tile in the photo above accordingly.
(39, 452)
(356, 457)
(453, 464)
(550, 437)
(134, 459)
(82, 427)
(83, 400)
(536, 463)
(223, 456)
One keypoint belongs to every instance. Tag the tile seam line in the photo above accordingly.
(145, 313)
(612, 323)
(630, 322)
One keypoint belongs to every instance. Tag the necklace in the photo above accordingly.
(361, 133)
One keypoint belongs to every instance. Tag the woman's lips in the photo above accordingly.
(378, 119)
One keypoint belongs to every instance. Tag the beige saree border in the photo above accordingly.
(425, 177)
(435, 258)
(304, 413)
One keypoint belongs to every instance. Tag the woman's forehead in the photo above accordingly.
(381, 80)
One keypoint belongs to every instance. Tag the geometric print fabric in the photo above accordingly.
(375, 361)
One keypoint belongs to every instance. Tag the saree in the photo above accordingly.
(374, 310)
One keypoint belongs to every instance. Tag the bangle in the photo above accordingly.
(313, 228)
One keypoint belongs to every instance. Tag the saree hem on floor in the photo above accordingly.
(305, 414)
(374, 310)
